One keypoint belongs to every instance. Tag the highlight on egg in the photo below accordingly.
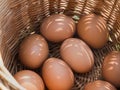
(77, 54)
(57, 27)
(93, 30)
(33, 51)
(57, 75)
(99, 85)
(29, 80)
(111, 68)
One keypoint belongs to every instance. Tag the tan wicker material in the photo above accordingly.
(18, 18)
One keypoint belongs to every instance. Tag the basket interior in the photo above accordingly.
(23, 17)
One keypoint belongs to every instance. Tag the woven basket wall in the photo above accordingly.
(19, 18)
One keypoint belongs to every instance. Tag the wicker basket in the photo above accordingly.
(19, 18)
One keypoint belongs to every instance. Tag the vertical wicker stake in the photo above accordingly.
(2, 87)
(5, 74)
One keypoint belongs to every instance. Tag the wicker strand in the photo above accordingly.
(18, 18)
(4, 73)
(2, 87)
(6, 84)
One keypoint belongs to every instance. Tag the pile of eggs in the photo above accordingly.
(76, 54)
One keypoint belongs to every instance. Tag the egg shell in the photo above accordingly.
(93, 30)
(57, 75)
(57, 27)
(111, 68)
(99, 85)
(77, 55)
(29, 80)
(33, 51)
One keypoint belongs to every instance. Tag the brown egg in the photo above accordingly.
(57, 27)
(99, 85)
(111, 68)
(29, 80)
(33, 51)
(93, 30)
(57, 75)
(77, 55)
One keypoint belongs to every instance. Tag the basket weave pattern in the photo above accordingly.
(19, 18)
